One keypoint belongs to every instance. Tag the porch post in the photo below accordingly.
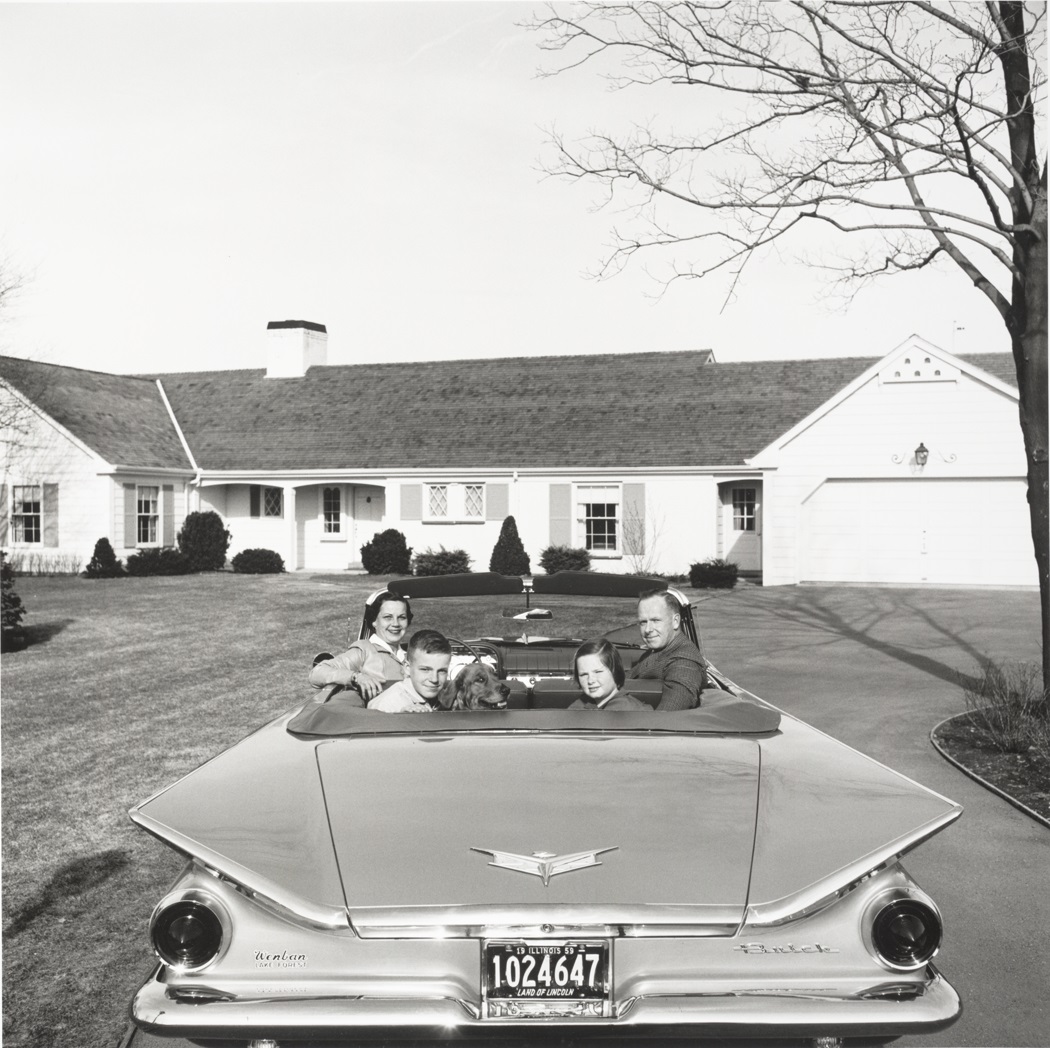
(292, 560)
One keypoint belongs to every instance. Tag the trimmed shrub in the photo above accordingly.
(258, 562)
(387, 554)
(166, 561)
(564, 558)
(12, 633)
(104, 563)
(204, 539)
(441, 562)
(713, 574)
(508, 555)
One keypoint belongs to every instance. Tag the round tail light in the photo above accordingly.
(906, 932)
(189, 930)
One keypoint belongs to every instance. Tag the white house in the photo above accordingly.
(908, 469)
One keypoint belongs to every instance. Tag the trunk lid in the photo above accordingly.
(431, 832)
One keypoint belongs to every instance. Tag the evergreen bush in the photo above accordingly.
(713, 574)
(258, 562)
(204, 539)
(12, 633)
(104, 563)
(167, 561)
(441, 562)
(387, 554)
(508, 555)
(564, 558)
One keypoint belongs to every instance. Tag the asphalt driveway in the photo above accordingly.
(877, 668)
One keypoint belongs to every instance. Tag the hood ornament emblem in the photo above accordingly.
(545, 865)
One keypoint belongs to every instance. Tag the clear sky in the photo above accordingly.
(174, 176)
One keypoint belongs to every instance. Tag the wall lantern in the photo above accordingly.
(922, 454)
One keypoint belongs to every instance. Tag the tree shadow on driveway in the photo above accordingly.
(876, 619)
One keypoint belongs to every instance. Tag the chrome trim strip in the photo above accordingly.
(827, 889)
(480, 921)
(314, 914)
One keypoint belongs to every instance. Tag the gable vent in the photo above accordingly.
(916, 365)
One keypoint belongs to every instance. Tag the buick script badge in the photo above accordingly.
(544, 864)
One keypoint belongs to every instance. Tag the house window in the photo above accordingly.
(265, 502)
(273, 502)
(598, 518)
(25, 514)
(147, 514)
(437, 500)
(454, 502)
(332, 509)
(474, 500)
(743, 509)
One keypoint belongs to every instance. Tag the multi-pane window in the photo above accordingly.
(598, 516)
(273, 502)
(25, 513)
(333, 510)
(474, 500)
(454, 501)
(437, 500)
(744, 509)
(147, 511)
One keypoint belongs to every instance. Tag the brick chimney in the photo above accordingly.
(292, 346)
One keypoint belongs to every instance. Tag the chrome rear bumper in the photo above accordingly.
(752, 1015)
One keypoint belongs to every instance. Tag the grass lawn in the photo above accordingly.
(127, 684)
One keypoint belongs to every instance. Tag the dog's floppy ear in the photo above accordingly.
(449, 696)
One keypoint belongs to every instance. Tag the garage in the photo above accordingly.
(926, 530)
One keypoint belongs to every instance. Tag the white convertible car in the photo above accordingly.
(723, 872)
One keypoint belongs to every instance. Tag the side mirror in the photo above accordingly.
(324, 656)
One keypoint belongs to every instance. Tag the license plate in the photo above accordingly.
(543, 979)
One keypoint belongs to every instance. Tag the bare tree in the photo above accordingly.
(908, 131)
(15, 414)
(642, 534)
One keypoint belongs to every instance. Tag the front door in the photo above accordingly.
(369, 510)
(742, 525)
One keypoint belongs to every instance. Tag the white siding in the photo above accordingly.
(35, 452)
(972, 433)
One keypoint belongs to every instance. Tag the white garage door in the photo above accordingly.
(972, 532)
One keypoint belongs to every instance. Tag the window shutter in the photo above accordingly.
(561, 515)
(3, 514)
(254, 498)
(411, 501)
(168, 509)
(49, 512)
(633, 519)
(497, 501)
(131, 533)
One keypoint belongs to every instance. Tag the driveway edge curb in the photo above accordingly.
(977, 778)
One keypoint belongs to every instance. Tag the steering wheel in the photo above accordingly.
(475, 652)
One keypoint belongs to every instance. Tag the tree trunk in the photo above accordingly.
(1030, 350)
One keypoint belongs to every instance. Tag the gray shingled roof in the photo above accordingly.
(611, 410)
(120, 417)
(634, 409)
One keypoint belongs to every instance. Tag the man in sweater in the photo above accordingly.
(672, 657)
